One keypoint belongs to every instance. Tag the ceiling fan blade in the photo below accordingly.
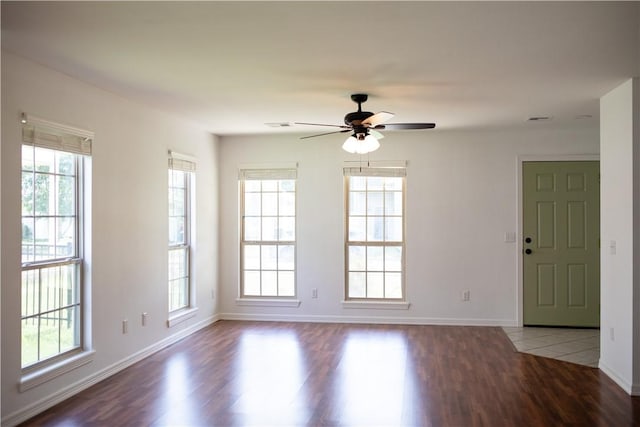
(322, 124)
(376, 134)
(400, 126)
(377, 118)
(326, 133)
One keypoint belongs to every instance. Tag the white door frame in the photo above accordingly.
(519, 199)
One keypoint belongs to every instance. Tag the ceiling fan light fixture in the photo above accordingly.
(361, 144)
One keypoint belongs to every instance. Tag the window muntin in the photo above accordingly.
(179, 267)
(374, 236)
(268, 228)
(51, 285)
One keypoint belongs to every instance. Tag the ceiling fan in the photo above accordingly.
(365, 127)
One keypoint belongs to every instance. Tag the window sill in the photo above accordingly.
(268, 302)
(47, 373)
(380, 305)
(181, 316)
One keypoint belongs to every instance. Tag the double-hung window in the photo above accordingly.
(180, 186)
(54, 158)
(374, 235)
(268, 233)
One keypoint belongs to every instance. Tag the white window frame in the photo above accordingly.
(379, 169)
(186, 164)
(40, 133)
(281, 171)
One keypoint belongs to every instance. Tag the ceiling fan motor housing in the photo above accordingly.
(355, 118)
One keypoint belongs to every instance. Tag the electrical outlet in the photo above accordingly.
(466, 295)
(144, 319)
(314, 293)
(125, 326)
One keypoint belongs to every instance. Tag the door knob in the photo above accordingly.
(527, 240)
(528, 251)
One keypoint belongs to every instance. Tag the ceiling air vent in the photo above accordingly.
(539, 119)
(279, 125)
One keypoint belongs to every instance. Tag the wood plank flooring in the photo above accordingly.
(309, 374)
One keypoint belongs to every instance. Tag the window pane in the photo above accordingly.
(286, 284)
(287, 230)
(358, 183)
(251, 283)
(288, 185)
(357, 285)
(269, 283)
(68, 326)
(176, 230)
(393, 229)
(269, 185)
(65, 163)
(66, 237)
(375, 285)
(44, 238)
(28, 244)
(269, 257)
(375, 183)
(270, 228)
(177, 206)
(177, 263)
(357, 259)
(66, 195)
(393, 258)
(252, 204)
(393, 184)
(44, 159)
(286, 257)
(357, 229)
(251, 257)
(393, 285)
(43, 197)
(252, 186)
(375, 228)
(252, 228)
(27, 193)
(393, 203)
(30, 301)
(357, 203)
(270, 204)
(29, 341)
(287, 204)
(375, 203)
(374, 258)
(27, 157)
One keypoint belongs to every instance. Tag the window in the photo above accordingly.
(268, 232)
(374, 233)
(180, 202)
(52, 285)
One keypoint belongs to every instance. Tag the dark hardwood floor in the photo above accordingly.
(309, 374)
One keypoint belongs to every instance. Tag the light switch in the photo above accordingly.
(612, 247)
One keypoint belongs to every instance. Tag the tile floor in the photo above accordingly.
(581, 346)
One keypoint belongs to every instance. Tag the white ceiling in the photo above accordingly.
(234, 66)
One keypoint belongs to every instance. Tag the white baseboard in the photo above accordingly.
(391, 320)
(67, 392)
(616, 378)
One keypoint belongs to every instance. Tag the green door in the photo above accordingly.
(561, 232)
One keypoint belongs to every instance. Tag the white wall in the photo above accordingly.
(461, 199)
(620, 220)
(129, 217)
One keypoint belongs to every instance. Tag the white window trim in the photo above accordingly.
(278, 170)
(179, 316)
(81, 144)
(47, 373)
(379, 305)
(186, 163)
(382, 168)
